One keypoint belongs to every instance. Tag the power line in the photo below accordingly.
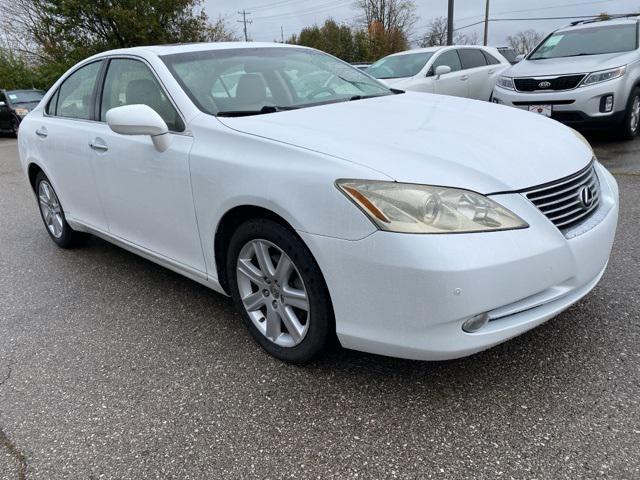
(318, 8)
(244, 21)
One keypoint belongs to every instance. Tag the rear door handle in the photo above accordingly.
(42, 132)
(98, 145)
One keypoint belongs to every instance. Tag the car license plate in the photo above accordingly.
(545, 110)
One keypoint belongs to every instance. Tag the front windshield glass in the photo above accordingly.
(399, 66)
(588, 41)
(263, 80)
(29, 96)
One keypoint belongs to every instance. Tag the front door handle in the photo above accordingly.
(462, 79)
(42, 132)
(98, 146)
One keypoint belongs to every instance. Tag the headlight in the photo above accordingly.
(604, 75)
(409, 208)
(506, 82)
(21, 112)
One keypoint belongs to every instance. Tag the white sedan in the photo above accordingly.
(460, 71)
(417, 226)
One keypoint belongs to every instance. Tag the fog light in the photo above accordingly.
(606, 104)
(475, 323)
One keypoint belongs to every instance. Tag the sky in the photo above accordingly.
(268, 16)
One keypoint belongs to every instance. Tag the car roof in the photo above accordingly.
(161, 50)
(596, 22)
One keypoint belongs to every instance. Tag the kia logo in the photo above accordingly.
(544, 85)
(586, 197)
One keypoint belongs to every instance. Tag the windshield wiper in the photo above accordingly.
(248, 113)
(364, 97)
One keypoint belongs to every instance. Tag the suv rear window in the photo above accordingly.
(588, 41)
(472, 58)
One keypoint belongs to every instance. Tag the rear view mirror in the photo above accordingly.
(442, 70)
(140, 120)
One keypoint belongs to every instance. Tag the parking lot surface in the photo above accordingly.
(112, 367)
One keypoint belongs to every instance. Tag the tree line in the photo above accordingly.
(41, 39)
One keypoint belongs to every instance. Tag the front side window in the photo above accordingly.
(131, 82)
(399, 66)
(249, 81)
(449, 59)
(472, 58)
(75, 94)
(588, 41)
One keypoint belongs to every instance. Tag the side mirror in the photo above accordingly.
(2, 104)
(442, 70)
(520, 57)
(140, 120)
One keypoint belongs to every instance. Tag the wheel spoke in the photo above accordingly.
(250, 271)
(292, 323)
(254, 301)
(264, 260)
(284, 269)
(273, 325)
(46, 214)
(295, 298)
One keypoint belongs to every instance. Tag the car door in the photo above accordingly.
(62, 140)
(475, 64)
(455, 83)
(146, 193)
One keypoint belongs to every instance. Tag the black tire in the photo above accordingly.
(15, 126)
(68, 237)
(321, 324)
(628, 132)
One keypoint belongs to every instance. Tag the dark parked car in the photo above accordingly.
(14, 106)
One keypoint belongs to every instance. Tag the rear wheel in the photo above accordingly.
(53, 215)
(280, 291)
(631, 125)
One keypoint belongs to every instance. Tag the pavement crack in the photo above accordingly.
(15, 452)
(7, 377)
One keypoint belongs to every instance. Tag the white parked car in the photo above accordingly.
(461, 71)
(410, 225)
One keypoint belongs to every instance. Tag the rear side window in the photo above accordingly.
(491, 60)
(131, 82)
(472, 58)
(75, 94)
(447, 59)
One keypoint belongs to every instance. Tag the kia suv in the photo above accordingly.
(586, 75)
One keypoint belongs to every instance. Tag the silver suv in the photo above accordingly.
(586, 75)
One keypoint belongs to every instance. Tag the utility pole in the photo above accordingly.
(282, 33)
(450, 24)
(486, 25)
(244, 21)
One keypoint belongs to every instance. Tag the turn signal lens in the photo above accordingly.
(409, 208)
(604, 75)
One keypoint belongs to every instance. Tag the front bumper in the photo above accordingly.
(580, 107)
(408, 295)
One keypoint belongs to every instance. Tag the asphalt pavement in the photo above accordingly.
(114, 368)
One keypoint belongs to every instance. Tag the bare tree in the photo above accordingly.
(436, 35)
(392, 15)
(524, 42)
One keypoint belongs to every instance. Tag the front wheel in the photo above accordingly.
(53, 215)
(631, 125)
(279, 289)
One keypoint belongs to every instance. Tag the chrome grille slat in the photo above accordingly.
(561, 201)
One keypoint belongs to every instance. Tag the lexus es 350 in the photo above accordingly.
(404, 224)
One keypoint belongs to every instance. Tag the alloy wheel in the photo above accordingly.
(273, 293)
(50, 209)
(634, 120)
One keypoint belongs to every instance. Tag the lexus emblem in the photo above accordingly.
(586, 197)
(544, 85)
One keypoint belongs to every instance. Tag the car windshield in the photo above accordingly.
(588, 41)
(251, 81)
(399, 66)
(28, 96)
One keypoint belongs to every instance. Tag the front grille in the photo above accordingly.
(566, 82)
(570, 201)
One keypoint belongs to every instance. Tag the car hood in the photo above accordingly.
(395, 82)
(432, 139)
(570, 65)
